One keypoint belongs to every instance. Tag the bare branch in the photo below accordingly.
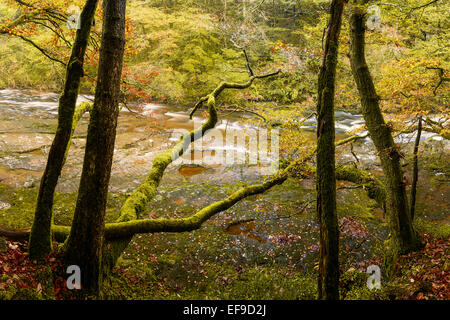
(424, 5)
(230, 85)
(45, 53)
(441, 77)
(250, 71)
(237, 107)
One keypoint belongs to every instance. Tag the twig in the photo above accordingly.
(441, 77)
(353, 153)
(250, 71)
(424, 5)
(230, 85)
(308, 203)
(237, 107)
(41, 50)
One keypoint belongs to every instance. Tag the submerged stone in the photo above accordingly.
(191, 170)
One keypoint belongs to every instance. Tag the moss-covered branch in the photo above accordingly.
(375, 188)
(128, 224)
(136, 202)
(19, 21)
(80, 110)
(119, 231)
(230, 85)
(125, 229)
(119, 234)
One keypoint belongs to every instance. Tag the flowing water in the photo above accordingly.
(28, 121)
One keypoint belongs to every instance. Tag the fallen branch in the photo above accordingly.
(119, 234)
(14, 234)
(374, 187)
(350, 139)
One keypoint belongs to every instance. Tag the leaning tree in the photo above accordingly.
(403, 236)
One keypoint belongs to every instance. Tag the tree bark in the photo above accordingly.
(84, 245)
(403, 236)
(40, 237)
(415, 169)
(328, 281)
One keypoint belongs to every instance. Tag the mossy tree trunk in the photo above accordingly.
(40, 237)
(403, 236)
(84, 245)
(328, 281)
(415, 168)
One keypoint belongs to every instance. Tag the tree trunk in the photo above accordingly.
(40, 237)
(84, 245)
(403, 236)
(225, 5)
(415, 169)
(328, 282)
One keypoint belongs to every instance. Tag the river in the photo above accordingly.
(28, 120)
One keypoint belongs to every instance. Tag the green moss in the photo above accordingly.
(21, 212)
(265, 283)
(390, 258)
(438, 229)
(23, 202)
(354, 286)
(26, 294)
(362, 293)
(362, 209)
(215, 282)
(368, 181)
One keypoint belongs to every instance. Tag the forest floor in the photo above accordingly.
(422, 275)
(262, 248)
